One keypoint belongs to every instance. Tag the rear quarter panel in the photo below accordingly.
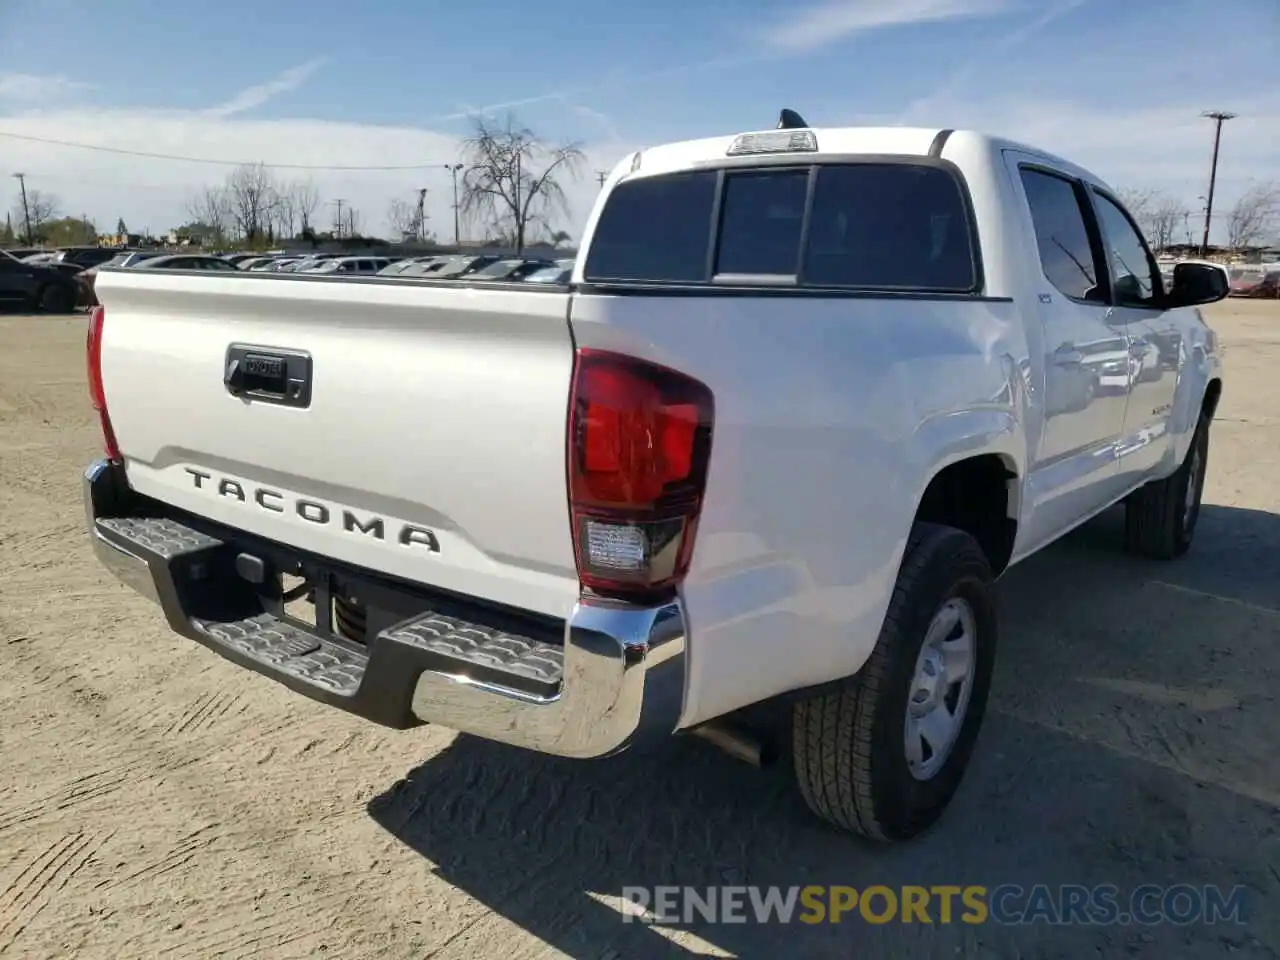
(831, 417)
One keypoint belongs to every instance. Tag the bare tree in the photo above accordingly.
(253, 193)
(1251, 217)
(1137, 200)
(352, 222)
(211, 207)
(305, 198)
(41, 208)
(403, 217)
(286, 211)
(512, 179)
(1166, 215)
(1157, 214)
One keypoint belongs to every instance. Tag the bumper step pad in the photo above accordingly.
(291, 650)
(506, 659)
(325, 668)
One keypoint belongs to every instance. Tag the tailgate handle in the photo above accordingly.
(268, 375)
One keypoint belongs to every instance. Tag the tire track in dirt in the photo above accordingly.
(41, 880)
(85, 789)
(263, 930)
(210, 794)
(175, 858)
(202, 712)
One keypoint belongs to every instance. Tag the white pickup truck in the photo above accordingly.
(808, 393)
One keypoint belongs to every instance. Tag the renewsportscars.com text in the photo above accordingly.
(1067, 904)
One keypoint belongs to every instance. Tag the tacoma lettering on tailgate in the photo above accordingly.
(408, 535)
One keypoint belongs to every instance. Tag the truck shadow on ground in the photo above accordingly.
(1129, 741)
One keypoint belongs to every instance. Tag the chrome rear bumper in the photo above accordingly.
(621, 668)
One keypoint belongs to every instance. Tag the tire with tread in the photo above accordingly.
(1156, 523)
(55, 298)
(849, 744)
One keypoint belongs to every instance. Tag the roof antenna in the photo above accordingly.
(790, 120)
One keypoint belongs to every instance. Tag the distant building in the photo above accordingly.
(121, 240)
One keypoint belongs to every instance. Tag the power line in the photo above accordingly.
(228, 163)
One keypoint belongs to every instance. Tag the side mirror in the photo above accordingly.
(1198, 283)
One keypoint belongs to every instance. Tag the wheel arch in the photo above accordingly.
(981, 495)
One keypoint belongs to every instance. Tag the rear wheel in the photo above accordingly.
(883, 755)
(55, 298)
(1160, 517)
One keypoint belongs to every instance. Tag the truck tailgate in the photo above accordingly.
(432, 447)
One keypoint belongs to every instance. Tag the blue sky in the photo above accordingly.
(1115, 85)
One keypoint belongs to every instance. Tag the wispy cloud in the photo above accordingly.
(612, 80)
(969, 68)
(601, 119)
(35, 88)
(815, 26)
(256, 96)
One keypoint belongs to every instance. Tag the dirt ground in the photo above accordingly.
(156, 800)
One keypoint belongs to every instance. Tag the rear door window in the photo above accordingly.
(1066, 255)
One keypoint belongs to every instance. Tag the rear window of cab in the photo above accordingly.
(895, 225)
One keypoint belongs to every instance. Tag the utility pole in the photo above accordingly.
(26, 211)
(519, 224)
(338, 228)
(422, 216)
(453, 168)
(1218, 116)
(601, 177)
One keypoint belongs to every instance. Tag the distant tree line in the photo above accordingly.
(1168, 222)
(511, 189)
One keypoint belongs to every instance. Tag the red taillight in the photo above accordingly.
(639, 444)
(98, 396)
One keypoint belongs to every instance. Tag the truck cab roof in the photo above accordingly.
(831, 143)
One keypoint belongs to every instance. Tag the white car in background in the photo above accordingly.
(350, 266)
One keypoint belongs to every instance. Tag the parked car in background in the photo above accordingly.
(130, 258)
(34, 286)
(88, 278)
(239, 258)
(84, 256)
(50, 260)
(400, 266)
(310, 261)
(1244, 279)
(284, 264)
(1267, 288)
(252, 262)
(511, 270)
(462, 266)
(425, 269)
(349, 267)
(185, 261)
(553, 274)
